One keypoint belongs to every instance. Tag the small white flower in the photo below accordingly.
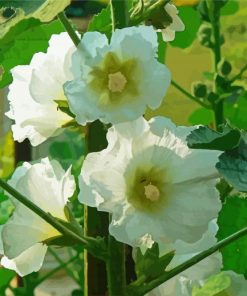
(116, 82)
(152, 183)
(49, 187)
(35, 88)
(196, 277)
(177, 25)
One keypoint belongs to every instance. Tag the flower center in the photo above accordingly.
(116, 82)
(152, 192)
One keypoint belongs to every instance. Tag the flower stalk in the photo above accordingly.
(68, 27)
(143, 289)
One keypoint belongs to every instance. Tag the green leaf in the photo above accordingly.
(233, 217)
(212, 286)
(206, 138)
(202, 116)
(232, 166)
(149, 264)
(191, 20)
(64, 107)
(6, 276)
(12, 12)
(231, 7)
(235, 111)
(102, 22)
(70, 151)
(25, 45)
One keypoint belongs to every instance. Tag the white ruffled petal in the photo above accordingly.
(29, 261)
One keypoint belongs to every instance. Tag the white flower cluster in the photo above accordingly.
(154, 186)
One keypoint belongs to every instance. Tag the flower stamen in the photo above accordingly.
(116, 82)
(152, 192)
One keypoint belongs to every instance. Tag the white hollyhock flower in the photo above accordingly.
(36, 87)
(49, 187)
(116, 81)
(176, 25)
(152, 183)
(194, 280)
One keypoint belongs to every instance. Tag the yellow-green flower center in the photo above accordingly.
(146, 188)
(116, 82)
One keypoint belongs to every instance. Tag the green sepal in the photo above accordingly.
(150, 265)
(64, 107)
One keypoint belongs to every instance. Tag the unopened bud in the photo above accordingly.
(199, 89)
(224, 67)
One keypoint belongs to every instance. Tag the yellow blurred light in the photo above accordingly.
(185, 2)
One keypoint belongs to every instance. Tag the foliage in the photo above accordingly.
(233, 217)
(206, 138)
(192, 23)
(21, 50)
(12, 12)
(150, 264)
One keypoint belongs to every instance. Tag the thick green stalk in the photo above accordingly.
(87, 243)
(115, 267)
(186, 93)
(120, 14)
(94, 270)
(215, 20)
(142, 290)
(68, 27)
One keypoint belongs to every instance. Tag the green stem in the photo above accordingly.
(115, 267)
(120, 14)
(239, 75)
(49, 274)
(87, 243)
(68, 27)
(142, 290)
(186, 93)
(64, 265)
(215, 20)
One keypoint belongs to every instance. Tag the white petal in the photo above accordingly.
(87, 51)
(13, 242)
(168, 34)
(82, 101)
(27, 262)
(145, 32)
(32, 120)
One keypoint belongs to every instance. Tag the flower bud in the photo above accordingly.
(199, 89)
(224, 67)
(205, 35)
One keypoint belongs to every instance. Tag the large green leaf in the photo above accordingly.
(12, 12)
(231, 7)
(235, 111)
(191, 20)
(21, 50)
(206, 138)
(233, 217)
(6, 276)
(102, 22)
(233, 166)
(202, 116)
(214, 285)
